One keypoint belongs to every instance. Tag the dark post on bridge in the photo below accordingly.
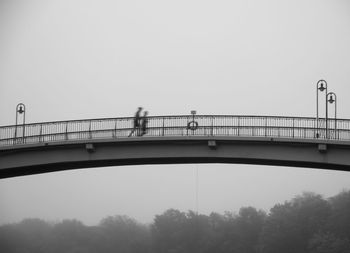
(20, 109)
(332, 98)
(320, 87)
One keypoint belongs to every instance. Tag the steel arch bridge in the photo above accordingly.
(268, 140)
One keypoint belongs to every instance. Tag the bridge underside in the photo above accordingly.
(43, 158)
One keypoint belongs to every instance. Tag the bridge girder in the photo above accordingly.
(49, 157)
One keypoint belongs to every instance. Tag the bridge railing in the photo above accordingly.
(187, 125)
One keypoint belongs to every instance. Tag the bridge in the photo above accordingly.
(266, 140)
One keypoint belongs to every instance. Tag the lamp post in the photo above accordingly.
(331, 98)
(320, 87)
(20, 109)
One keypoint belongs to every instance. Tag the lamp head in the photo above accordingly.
(331, 99)
(321, 88)
(20, 109)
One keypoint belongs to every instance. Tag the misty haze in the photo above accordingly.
(175, 127)
(306, 223)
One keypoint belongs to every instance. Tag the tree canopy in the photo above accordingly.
(308, 223)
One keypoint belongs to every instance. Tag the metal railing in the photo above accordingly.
(184, 125)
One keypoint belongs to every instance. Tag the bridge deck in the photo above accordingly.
(183, 125)
(282, 141)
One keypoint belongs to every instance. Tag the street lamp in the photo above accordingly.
(331, 98)
(320, 87)
(20, 109)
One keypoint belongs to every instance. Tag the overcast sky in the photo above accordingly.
(94, 59)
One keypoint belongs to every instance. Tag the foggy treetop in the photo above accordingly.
(306, 223)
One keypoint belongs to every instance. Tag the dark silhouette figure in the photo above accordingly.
(136, 122)
(144, 122)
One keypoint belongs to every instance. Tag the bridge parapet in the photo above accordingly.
(181, 125)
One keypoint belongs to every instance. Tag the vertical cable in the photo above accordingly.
(197, 217)
(197, 192)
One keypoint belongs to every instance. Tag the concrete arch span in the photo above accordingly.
(67, 155)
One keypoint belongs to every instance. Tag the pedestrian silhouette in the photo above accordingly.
(144, 122)
(136, 122)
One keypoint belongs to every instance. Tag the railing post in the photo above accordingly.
(265, 126)
(41, 133)
(14, 137)
(187, 127)
(163, 126)
(335, 128)
(253, 127)
(90, 135)
(212, 126)
(24, 133)
(115, 128)
(66, 134)
(239, 125)
(293, 127)
(279, 127)
(337, 132)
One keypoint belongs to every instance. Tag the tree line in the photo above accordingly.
(308, 223)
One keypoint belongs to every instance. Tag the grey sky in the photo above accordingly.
(92, 59)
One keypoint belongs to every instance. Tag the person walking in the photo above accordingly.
(144, 122)
(136, 122)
